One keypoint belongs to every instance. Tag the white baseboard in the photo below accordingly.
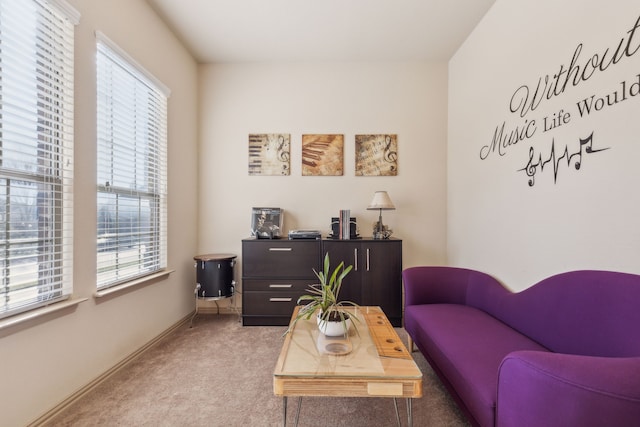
(97, 381)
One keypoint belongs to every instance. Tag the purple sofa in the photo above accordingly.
(564, 352)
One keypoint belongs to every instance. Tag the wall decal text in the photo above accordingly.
(527, 98)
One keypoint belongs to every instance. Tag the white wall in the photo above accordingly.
(408, 99)
(45, 361)
(587, 218)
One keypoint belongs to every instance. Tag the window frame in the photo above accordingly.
(111, 274)
(48, 129)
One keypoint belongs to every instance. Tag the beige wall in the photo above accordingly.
(587, 218)
(45, 361)
(408, 99)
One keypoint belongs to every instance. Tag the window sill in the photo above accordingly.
(133, 283)
(39, 312)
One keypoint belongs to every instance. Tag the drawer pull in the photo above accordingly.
(355, 259)
(279, 299)
(280, 249)
(272, 285)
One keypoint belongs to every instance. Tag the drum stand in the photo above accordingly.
(214, 299)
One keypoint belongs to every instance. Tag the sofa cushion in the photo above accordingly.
(467, 346)
(586, 312)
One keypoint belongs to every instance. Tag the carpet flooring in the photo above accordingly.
(219, 373)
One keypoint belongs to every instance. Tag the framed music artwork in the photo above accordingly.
(322, 155)
(269, 154)
(377, 155)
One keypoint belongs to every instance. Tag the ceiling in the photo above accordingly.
(321, 30)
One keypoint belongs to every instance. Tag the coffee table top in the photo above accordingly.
(311, 364)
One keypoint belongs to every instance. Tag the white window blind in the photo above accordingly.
(36, 153)
(132, 165)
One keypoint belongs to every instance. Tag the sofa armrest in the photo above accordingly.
(552, 389)
(435, 285)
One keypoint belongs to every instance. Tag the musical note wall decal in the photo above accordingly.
(575, 159)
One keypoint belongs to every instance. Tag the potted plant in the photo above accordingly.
(333, 320)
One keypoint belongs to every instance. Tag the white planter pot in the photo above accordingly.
(333, 329)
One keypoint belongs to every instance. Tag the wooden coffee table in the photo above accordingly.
(372, 362)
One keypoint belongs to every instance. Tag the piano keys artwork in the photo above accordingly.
(269, 154)
(322, 155)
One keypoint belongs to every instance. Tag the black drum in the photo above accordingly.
(214, 275)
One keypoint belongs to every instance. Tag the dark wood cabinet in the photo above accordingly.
(376, 278)
(276, 272)
(274, 275)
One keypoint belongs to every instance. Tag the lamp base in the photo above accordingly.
(381, 231)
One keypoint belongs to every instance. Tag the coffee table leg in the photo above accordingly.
(409, 412)
(284, 411)
(298, 411)
(395, 405)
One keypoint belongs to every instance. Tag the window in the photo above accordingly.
(36, 153)
(132, 193)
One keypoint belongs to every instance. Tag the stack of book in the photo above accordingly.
(344, 224)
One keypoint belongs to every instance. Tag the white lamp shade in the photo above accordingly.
(381, 200)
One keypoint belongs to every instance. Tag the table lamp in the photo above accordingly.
(382, 202)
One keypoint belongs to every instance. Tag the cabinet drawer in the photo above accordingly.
(280, 258)
(297, 286)
(269, 303)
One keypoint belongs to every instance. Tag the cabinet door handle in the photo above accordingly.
(272, 285)
(280, 249)
(355, 259)
(279, 299)
(368, 260)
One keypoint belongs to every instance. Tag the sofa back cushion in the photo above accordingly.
(592, 313)
(438, 285)
(447, 285)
